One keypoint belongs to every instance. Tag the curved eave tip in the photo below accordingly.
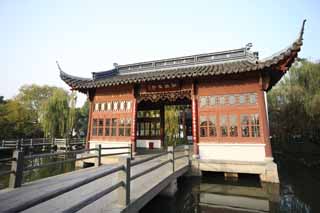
(302, 30)
(61, 71)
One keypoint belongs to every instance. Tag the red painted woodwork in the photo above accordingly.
(134, 125)
(89, 125)
(214, 86)
(117, 93)
(194, 108)
(265, 124)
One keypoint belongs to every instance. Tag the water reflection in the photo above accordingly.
(212, 193)
(40, 173)
(49, 171)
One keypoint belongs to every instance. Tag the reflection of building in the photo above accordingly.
(236, 198)
(226, 92)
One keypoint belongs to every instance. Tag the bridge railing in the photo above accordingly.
(124, 177)
(3, 161)
(18, 161)
(63, 143)
(123, 183)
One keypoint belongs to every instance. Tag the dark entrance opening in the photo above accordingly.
(163, 123)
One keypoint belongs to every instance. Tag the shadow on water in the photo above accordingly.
(212, 193)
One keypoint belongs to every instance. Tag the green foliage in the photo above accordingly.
(39, 110)
(172, 125)
(2, 101)
(81, 122)
(294, 105)
(58, 114)
(15, 120)
(33, 96)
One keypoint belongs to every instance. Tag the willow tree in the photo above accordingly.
(294, 103)
(171, 124)
(58, 114)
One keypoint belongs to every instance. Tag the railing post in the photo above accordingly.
(187, 152)
(131, 154)
(2, 143)
(18, 144)
(66, 145)
(16, 169)
(124, 176)
(98, 154)
(171, 156)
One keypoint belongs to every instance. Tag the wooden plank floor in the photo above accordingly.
(11, 197)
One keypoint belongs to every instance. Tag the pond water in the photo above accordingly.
(298, 191)
(211, 193)
(39, 173)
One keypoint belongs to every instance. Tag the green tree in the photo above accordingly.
(172, 128)
(294, 103)
(81, 122)
(58, 114)
(32, 97)
(2, 101)
(14, 120)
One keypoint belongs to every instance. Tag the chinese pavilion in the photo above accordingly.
(226, 92)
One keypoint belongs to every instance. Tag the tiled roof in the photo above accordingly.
(218, 63)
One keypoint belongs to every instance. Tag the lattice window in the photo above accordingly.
(253, 98)
(213, 101)
(233, 125)
(224, 125)
(203, 126)
(122, 103)
(121, 127)
(109, 106)
(222, 100)
(100, 127)
(115, 105)
(94, 127)
(242, 99)
(244, 125)
(232, 99)
(127, 131)
(203, 101)
(96, 107)
(114, 123)
(107, 127)
(212, 126)
(128, 105)
(255, 128)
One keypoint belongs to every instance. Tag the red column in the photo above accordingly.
(195, 135)
(134, 125)
(89, 124)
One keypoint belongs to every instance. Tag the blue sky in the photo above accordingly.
(88, 36)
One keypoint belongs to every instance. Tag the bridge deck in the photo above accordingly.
(143, 189)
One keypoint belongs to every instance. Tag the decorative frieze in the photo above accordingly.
(232, 99)
(162, 96)
(113, 106)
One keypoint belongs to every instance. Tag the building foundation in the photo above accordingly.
(267, 170)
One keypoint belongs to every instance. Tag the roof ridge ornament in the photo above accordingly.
(248, 46)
